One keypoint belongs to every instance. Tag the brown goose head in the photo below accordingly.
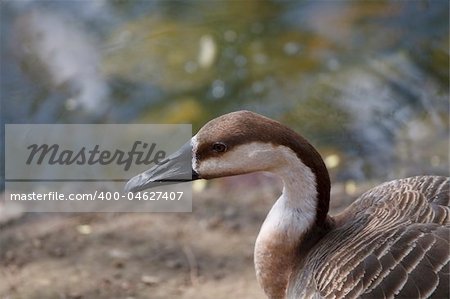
(238, 143)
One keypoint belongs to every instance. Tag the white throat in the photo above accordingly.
(295, 210)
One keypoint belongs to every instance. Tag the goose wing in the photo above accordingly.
(394, 242)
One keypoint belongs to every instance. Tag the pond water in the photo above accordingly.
(365, 82)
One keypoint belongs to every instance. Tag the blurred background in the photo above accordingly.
(366, 82)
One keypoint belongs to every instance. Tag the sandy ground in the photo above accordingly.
(204, 254)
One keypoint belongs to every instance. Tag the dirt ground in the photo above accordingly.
(204, 254)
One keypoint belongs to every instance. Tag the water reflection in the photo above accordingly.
(68, 63)
(366, 81)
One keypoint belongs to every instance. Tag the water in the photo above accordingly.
(366, 82)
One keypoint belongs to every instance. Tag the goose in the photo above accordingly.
(392, 242)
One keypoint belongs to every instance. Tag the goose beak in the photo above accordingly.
(174, 169)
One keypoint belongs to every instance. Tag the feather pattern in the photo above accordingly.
(392, 242)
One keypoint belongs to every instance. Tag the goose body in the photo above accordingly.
(392, 242)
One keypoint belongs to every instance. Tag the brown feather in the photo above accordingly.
(391, 243)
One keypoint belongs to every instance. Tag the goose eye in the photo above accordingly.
(219, 147)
